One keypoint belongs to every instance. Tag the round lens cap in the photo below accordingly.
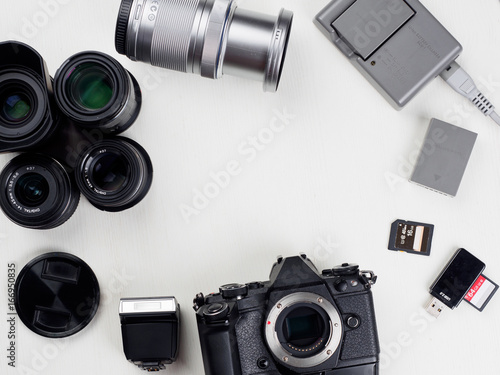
(56, 295)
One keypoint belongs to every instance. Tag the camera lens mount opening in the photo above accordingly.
(303, 330)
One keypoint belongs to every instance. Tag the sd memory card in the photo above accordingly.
(481, 292)
(411, 237)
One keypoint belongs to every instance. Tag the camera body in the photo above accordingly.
(299, 322)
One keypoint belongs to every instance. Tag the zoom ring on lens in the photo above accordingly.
(172, 34)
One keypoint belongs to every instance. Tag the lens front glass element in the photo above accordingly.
(32, 189)
(16, 107)
(90, 86)
(110, 172)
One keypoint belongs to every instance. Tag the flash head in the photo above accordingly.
(150, 331)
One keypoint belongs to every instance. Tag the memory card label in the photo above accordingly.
(411, 237)
(481, 292)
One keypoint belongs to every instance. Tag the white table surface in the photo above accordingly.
(320, 187)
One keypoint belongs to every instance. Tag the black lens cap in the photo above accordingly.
(56, 295)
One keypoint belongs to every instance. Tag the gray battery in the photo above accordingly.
(444, 157)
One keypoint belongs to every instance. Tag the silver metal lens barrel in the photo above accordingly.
(206, 37)
(256, 46)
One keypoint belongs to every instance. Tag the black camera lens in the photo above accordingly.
(114, 174)
(16, 107)
(110, 172)
(32, 189)
(96, 92)
(37, 192)
(26, 115)
(305, 330)
(90, 87)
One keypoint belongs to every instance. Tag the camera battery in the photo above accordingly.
(411, 237)
(444, 157)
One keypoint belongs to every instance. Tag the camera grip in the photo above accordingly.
(219, 349)
(363, 341)
(254, 354)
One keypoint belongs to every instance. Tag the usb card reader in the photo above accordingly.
(454, 282)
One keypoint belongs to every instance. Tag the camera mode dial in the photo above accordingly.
(233, 290)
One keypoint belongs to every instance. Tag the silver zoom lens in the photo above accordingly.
(207, 37)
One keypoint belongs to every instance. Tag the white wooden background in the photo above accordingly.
(320, 186)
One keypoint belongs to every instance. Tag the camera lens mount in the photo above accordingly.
(96, 92)
(37, 192)
(303, 330)
(114, 174)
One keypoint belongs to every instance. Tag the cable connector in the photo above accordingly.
(462, 83)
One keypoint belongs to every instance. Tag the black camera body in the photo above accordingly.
(298, 322)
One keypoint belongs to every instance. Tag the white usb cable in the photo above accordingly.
(462, 83)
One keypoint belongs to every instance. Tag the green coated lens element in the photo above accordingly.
(16, 107)
(110, 172)
(90, 87)
(32, 189)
